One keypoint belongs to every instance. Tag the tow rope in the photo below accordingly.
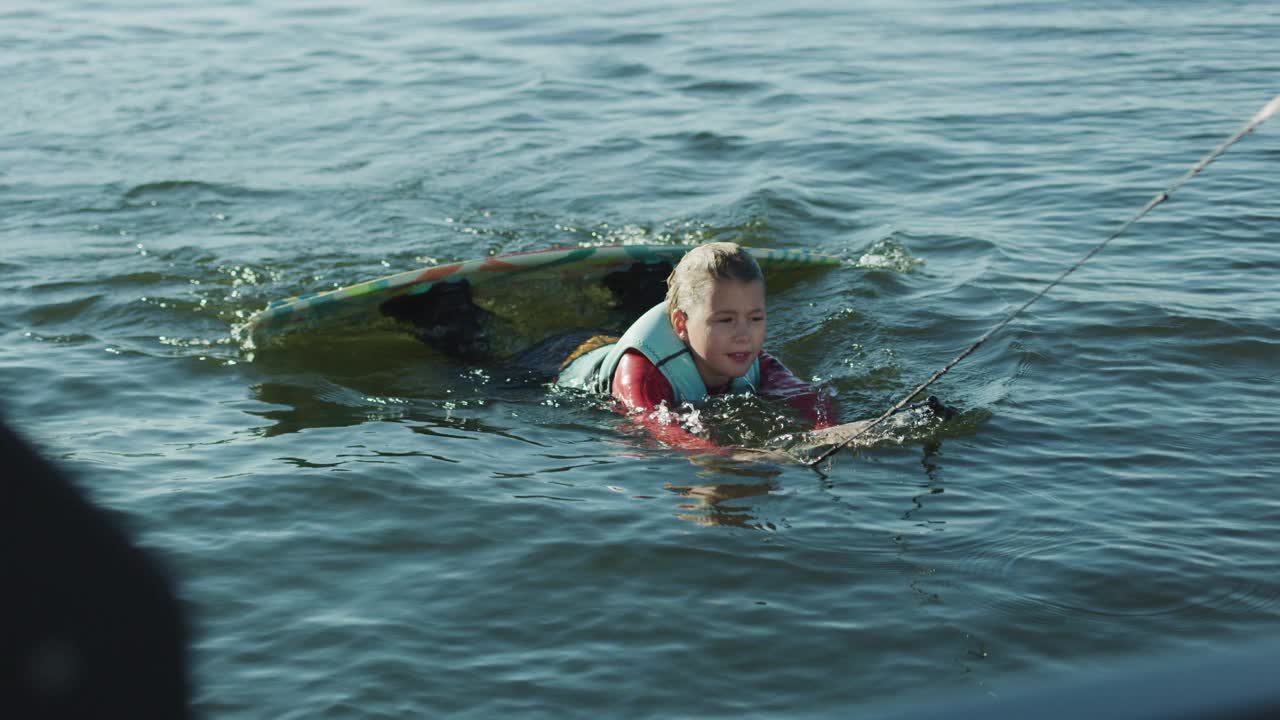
(1267, 111)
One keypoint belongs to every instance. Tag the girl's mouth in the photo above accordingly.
(740, 357)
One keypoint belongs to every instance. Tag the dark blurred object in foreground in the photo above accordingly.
(89, 626)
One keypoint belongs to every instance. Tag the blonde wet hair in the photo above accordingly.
(693, 279)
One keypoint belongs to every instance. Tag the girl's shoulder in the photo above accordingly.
(638, 383)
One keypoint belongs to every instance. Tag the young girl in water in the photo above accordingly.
(706, 339)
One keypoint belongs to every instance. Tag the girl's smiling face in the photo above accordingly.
(726, 332)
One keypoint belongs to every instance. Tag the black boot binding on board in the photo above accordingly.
(446, 318)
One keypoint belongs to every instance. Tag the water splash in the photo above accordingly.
(889, 254)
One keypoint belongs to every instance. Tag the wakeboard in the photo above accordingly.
(492, 306)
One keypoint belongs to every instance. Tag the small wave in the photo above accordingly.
(191, 191)
(783, 100)
(634, 38)
(61, 312)
(707, 144)
(723, 87)
(68, 339)
(145, 278)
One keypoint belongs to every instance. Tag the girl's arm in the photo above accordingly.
(777, 381)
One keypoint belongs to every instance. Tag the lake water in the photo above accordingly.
(362, 528)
